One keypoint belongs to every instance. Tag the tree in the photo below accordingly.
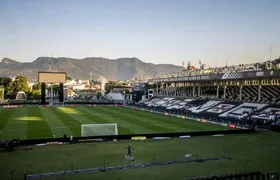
(20, 84)
(34, 94)
(2, 90)
(36, 87)
(6, 82)
(68, 78)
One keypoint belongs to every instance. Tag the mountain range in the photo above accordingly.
(111, 69)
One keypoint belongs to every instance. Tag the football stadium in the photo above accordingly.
(139, 90)
(189, 124)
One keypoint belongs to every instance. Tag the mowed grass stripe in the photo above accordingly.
(102, 119)
(69, 121)
(5, 115)
(124, 127)
(125, 121)
(117, 111)
(164, 127)
(36, 125)
(16, 127)
(77, 115)
(57, 127)
(188, 125)
(156, 120)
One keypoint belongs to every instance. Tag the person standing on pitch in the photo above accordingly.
(129, 148)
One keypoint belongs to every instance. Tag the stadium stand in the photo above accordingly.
(250, 113)
(247, 93)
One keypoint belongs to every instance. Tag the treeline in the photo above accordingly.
(12, 87)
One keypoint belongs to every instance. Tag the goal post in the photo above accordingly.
(57, 104)
(99, 129)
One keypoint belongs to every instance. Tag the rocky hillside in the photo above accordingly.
(117, 69)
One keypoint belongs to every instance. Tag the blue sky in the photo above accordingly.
(156, 31)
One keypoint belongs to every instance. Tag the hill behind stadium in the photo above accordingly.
(118, 69)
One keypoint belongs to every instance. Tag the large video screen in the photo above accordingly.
(52, 77)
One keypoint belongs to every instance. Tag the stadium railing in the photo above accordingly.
(254, 175)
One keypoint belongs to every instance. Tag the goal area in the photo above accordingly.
(99, 129)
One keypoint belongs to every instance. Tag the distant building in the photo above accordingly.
(116, 95)
(76, 86)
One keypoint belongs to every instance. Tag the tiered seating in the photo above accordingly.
(270, 93)
(188, 91)
(209, 91)
(232, 93)
(161, 102)
(194, 103)
(179, 92)
(204, 106)
(219, 110)
(243, 111)
(269, 113)
(249, 93)
(167, 103)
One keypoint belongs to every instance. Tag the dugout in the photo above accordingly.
(51, 78)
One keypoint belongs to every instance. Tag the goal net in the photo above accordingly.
(99, 129)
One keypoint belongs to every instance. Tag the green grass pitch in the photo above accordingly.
(45, 122)
(257, 151)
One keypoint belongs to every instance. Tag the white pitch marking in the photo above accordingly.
(53, 135)
(0, 132)
(59, 127)
(218, 135)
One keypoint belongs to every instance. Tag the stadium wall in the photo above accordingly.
(22, 104)
(180, 135)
